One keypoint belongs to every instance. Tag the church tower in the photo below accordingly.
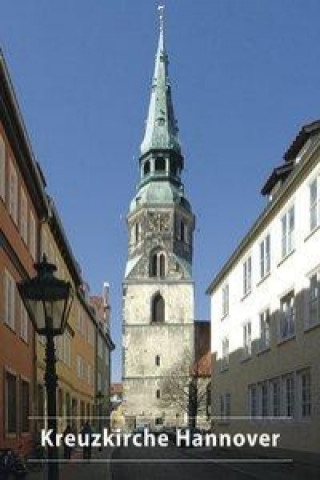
(158, 290)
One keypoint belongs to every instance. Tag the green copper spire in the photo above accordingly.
(161, 127)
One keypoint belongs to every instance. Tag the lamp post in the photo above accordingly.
(48, 301)
(99, 398)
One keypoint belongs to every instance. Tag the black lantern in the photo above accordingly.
(47, 299)
(48, 302)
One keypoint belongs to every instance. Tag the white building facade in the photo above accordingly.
(265, 310)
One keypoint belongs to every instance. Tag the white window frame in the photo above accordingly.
(23, 216)
(314, 204)
(287, 324)
(265, 256)
(225, 353)
(265, 330)
(24, 323)
(275, 397)
(253, 401)
(264, 394)
(247, 339)
(225, 300)
(289, 392)
(9, 299)
(287, 232)
(313, 300)
(247, 275)
(2, 168)
(13, 193)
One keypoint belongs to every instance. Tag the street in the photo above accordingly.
(181, 463)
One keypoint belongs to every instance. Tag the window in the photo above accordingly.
(225, 353)
(287, 316)
(225, 406)
(225, 300)
(305, 385)
(247, 343)
(314, 190)
(253, 401)
(247, 276)
(146, 168)
(265, 257)
(158, 265)
(11, 403)
(9, 300)
(90, 333)
(137, 232)
(289, 392)
(32, 239)
(276, 397)
(25, 406)
(99, 382)
(157, 360)
(24, 217)
(287, 225)
(158, 393)
(24, 320)
(158, 309)
(13, 194)
(264, 400)
(183, 232)
(264, 329)
(160, 164)
(313, 315)
(2, 169)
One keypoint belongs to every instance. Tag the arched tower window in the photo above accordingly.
(160, 164)
(158, 265)
(158, 309)
(146, 168)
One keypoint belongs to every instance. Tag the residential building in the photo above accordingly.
(265, 310)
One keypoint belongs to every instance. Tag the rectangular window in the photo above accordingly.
(289, 392)
(287, 316)
(24, 217)
(33, 236)
(24, 321)
(253, 401)
(25, 406)
(225, 353)
(264, 400)
(247, 276)
(2, 169)
(305, 380)
(13, 194)
(9, 300)
(225, 406)
(265, 258)
(264, 329)
(225, 300)
(287, 226)
(314, 190)
(313, 316)
(276, 397)
(11, 403)
(247, 343)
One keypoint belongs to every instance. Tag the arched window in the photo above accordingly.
(158, 265)
(158, 394)
(146, 168)
(162, 265)
(158, 309)
(160, 164)
(157, 360)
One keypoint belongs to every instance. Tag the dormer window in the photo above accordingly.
(160, 164)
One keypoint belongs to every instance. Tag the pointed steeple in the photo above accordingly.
(161, 126)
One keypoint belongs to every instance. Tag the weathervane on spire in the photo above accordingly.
(161, 16)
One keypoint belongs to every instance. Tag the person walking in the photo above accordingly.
(86, 433)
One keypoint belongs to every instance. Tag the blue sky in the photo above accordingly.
(245, 77)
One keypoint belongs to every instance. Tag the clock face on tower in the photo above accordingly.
(158, 222)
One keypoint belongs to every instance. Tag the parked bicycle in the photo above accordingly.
(12, 465)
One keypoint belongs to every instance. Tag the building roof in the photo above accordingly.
(161, 130)
(295, 148)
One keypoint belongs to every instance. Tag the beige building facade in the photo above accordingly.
(265, 310)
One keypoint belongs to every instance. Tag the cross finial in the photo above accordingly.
(161, 16)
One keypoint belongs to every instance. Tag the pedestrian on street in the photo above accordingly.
(86, 432)
(66, 449)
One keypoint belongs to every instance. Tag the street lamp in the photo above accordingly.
(48, 301)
